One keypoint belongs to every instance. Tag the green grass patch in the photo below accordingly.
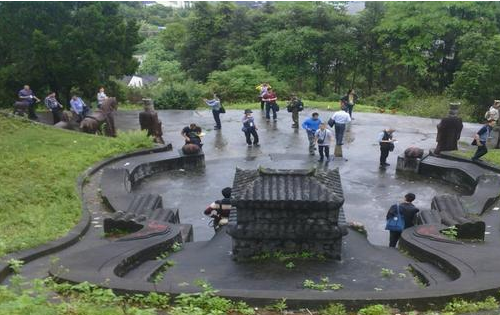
(493, 155)
(39, 167)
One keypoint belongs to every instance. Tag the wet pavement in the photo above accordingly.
(283, 147)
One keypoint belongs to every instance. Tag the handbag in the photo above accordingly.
(474, 142)
(331, 122)
(397, 223)
(391, 146)
(276, 107)
(222, 110)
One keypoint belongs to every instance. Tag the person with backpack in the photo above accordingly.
(386, 143)
(249, 128)
(295, 106)
(216, 106)
(400, 217)
(323, 138)
(54, 107)
(219, 210)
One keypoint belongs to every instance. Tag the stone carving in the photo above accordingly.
(449, 130)
(287, 210)
(102, 118)
(448, 210)
(21, 108)
(68, 121)
(148, 119)
(190, 149)
(414, 153)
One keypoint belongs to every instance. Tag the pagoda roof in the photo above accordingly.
(266, 188)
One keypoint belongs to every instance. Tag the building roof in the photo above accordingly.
(276, 189)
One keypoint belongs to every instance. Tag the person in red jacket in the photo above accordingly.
(270, 98)
(219, 210)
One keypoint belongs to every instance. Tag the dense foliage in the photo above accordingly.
(38, 199)
(60, 46)
(319, 50)
(316, 49)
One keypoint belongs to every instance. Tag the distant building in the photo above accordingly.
(148, 3)
(176, 4)
(139, 81)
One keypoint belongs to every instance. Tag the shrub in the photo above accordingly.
(461, 306)
(176, 95)
(376, 309)
(398, 97)
(333, 309)
(238, 83)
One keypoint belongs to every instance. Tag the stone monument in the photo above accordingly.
(148, 119)
(290, 211)
(449, 130)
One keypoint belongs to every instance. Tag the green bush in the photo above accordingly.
(398, 97)
(377, 309)
(462, 306)
(239, 83)
(176, 95)
(435, 107)
(333, 309)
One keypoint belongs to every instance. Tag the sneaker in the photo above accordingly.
(268, 120)
(320, 160)
(216, 128)
(256, 144)
(387, 164)
(275, 120)
(311, 153)
(249, 145)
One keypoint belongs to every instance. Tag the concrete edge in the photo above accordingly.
(449, 156)
(74, 235)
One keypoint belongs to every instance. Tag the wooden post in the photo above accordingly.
(338, 151)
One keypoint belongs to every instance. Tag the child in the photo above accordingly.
(323, 138)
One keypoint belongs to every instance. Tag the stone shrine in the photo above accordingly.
(290, 211)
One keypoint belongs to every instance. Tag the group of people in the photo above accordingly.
(77, 105)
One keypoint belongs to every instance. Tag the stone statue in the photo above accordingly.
(448, 130)
(148, 119)
(102, 118)
(68, 121)
(190, 149)
(414, 153)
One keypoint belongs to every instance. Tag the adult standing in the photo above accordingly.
(192, 134)
(101, 97)
(262, 88)
(54, 107)
(340, 119)
(386, 143)
(323, 138)
(407, 211)
(249, 128)
(448, 131)
(215, 104)
(27, 95)
(295, 106)
(480, 139)
(348, 101)
(270, 98)
(493, 113)
(311, 125)
(78, 107)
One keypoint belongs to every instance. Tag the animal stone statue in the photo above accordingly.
(190, 149)
(414, 153)
(148, 119)
(102, 119)
(21, 108)
(448, 131)
(68, 121)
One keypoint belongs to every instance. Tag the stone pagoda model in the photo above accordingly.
(291, 211)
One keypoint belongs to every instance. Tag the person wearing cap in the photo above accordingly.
(219, 210)
(249, 128)
(311, 125)
(480, 139)
(449, 130)
(386, 143)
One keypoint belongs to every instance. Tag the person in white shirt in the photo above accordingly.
(341, 118)
(323, 138)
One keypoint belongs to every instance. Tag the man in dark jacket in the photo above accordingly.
(295, 106)
(219, 210)
(408, 211)
(448, 131)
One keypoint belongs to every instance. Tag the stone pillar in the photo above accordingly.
(338, 151)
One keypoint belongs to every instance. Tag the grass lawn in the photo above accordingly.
(467, 151)
(38, 172)
(256, 105)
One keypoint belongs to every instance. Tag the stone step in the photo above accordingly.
(429, 274)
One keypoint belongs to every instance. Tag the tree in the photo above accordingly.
(62, 45)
